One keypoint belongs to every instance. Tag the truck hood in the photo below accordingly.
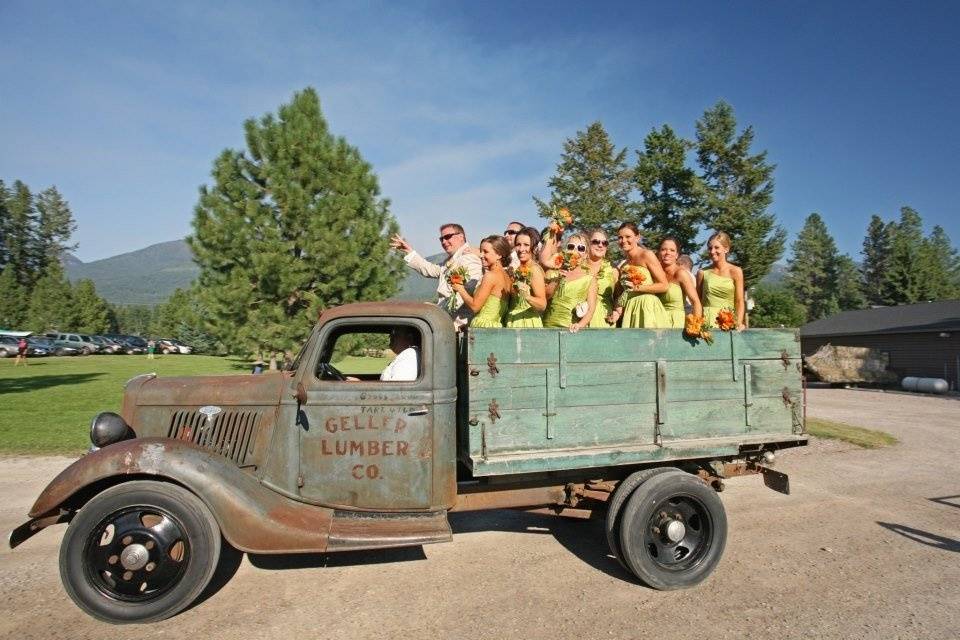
(226, 391)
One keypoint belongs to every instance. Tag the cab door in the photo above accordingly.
(365, 443)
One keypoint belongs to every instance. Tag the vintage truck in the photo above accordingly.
(638, 426)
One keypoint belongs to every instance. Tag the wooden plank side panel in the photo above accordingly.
(695, 420)
(534, 346)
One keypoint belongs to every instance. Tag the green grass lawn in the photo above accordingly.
(867, 438)
(46, 406)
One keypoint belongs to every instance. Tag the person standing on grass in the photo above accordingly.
(151, 348)
(21, 352)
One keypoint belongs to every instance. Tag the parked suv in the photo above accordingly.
(81, 342)
(167, 345)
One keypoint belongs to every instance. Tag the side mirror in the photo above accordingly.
(301, 394)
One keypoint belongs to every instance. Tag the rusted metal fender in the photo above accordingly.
(252, 517)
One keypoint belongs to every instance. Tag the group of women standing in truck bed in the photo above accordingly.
(571, 283)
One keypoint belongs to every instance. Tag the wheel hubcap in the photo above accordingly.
(134, 557)
(679, 533)
(675, 531)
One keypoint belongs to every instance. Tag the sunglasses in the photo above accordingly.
(510, 232)
(599, 243)
(447, 236)
(578, 247)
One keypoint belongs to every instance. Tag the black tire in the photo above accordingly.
(680, 504)
(164, 540)
(615, 507)
(4, 353)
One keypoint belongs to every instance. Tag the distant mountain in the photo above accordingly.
(146, 276)
(778, 273)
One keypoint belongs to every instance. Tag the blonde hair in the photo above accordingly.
(722, 238)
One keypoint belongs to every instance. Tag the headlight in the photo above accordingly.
(107, 428)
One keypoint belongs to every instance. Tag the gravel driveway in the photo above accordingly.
(868, 546)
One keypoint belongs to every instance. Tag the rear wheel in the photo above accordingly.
(139, 552)
(673, 531)
(615, 506)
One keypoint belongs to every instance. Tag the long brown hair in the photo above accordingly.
(501, 247)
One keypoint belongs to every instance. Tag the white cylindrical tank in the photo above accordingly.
(925, 385)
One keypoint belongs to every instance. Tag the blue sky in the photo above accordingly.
(462, 108)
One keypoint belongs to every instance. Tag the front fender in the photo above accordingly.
(252, 517)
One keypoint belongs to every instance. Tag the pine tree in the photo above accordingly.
(90, 313)
(184, 318)
(904, 279)
(592, 180)
(51, 302)
(849, 292)
(876, 262)
(671, 192)
(55, 225)
(940, 266)
(21, 234)
(5, 224)
(776, 307)
(133, 320)
(812, 269)
(291, 226)
(13, 300)
(739, 189)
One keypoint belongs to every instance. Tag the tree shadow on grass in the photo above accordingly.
(586, 539)
(923, 537)
(35, 383)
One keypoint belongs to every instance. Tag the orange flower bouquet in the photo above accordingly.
(695, 327)
(560, 218)
(634, 275)
(725, 320)
(457, 275)
(521, 274)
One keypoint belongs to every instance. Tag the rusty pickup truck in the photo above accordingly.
(640, 427)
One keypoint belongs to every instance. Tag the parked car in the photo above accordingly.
(136, 341)
(168, 345)
(54, 347)
(128, 346)
(81, 342)
(106, 344)
(8, 346)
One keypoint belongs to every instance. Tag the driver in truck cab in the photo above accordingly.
(403, 368)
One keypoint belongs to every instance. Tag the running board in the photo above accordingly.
(353, 530)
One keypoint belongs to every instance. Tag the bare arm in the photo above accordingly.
(549, 248)
(660, 282)
(738, 304)
(475, 301)
(591, 307)
(536, 296)
(689, 288)
(700, 285)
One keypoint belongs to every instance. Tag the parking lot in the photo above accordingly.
(867, 546)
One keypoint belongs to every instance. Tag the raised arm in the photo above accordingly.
(414, 259)
(546, 252)
(689, 288)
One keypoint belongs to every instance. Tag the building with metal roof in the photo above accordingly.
(920, 339)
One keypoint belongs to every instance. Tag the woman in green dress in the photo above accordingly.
(681, 284)
(571, 289)
(721, 285)
(641, 280)
(529, 296)
(489, 300)
(606, 275)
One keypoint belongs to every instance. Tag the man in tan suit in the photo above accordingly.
(454, 242)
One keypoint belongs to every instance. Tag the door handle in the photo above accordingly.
(422, 411)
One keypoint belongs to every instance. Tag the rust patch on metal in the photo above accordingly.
(480, 497)
(785, 358)
(492, 365)
(494, 410)
(787, 399)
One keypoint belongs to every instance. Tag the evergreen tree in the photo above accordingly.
(13, 300)
(940, 266)
(776, 307)
(671, 192)
(849, 292)
(51, 302)
(293, 225)
(812, 270)
(90, 312)
(5, 224)
(739, 189)
(134, 320)
(21, 234)
(55, 225)
(876, 262)
(184, 318)
(904, 278)
(592, 181)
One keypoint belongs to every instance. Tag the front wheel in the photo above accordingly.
(673, 531)
(141, 551)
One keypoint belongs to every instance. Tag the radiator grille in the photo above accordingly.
(231, 434)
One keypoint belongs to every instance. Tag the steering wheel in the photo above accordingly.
(327, 372)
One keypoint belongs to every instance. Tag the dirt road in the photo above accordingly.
(868, 546)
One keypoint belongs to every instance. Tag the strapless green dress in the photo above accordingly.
(566, 296)
(717, 295)
(672, 300)
(644, 310)
(520, 315)
(605, 285)
(491, 313)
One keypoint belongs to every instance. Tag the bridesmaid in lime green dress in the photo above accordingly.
(681, 284)
(637, 304)
(529, 298)
(569, 289)
(721, 285)
(489, 301)
(606, 275)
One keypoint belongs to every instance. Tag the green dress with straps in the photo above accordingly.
(644, 310)
(672, 300)
(520, 315)
(491, 313)
(567, 295)
(605, 283)
(717, 295)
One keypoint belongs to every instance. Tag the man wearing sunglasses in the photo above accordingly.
(454, 243)
(510, 233)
